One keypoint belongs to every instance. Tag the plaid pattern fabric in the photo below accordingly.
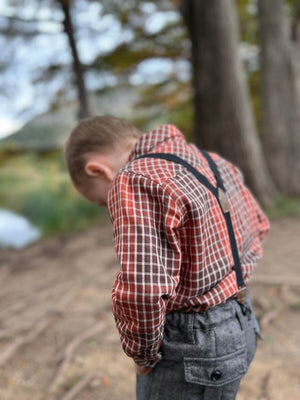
(171, 239)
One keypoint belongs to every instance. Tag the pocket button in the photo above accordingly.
(216, 375)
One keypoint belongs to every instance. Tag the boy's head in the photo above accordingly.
(94, 152)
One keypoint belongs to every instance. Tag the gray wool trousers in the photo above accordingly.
(204, 354)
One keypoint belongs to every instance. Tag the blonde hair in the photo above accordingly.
(94, 134)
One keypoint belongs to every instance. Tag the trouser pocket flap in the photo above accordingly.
(215, 371)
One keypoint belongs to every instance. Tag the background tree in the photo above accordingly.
(77, 65)
(27, 27)
(138, 33)
(280, 91)
(224, 119)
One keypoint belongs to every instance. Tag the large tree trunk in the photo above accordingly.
(77, 66)
(280, 95)
(224, 120)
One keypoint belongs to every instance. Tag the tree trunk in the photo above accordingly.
(77, 66)
(280, 95)
(224, 119)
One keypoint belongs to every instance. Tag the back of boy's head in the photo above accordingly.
(94, 134)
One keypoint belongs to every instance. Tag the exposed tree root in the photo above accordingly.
(269, 317)
(21, 340)
(54, 291)
(265, 387)
(284, 297)
(40, 326)
(68, 354)
(78, 387)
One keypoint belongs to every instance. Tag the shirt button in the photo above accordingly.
(216, 375)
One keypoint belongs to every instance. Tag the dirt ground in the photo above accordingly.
(58, 340)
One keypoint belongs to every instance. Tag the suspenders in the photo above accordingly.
(220, 194)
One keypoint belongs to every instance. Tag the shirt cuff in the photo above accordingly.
(148, 363)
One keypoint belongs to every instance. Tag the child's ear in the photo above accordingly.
(97, 169)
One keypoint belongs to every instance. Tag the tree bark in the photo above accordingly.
(77, 66)
(224, 119)
(296, 23)
(280, 86)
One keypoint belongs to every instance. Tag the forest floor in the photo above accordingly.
(58, 340)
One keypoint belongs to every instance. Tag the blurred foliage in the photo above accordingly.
(38, 187)
(142, 41)
(292, 7)
(176, 106)
(36, 138)
(139, 40)
(285, 206)
(247, 13)
(170, 42)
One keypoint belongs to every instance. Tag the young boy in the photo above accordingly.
(188, 238)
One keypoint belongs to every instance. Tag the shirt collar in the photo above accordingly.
(149, 141)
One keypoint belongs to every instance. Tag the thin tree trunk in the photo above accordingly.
(280, 87)
(77, 66)
(224, 119)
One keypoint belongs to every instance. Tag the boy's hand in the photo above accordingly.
(142, 370)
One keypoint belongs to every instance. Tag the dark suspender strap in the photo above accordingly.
(214, 169)
(235, 254)
(220, 194)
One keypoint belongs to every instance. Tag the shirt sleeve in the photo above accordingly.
(259, 221)
(145, 218)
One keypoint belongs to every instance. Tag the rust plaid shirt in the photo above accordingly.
(171, 239)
